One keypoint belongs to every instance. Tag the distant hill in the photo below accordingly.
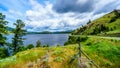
(109, 24)
(48, 32)
(44, 32)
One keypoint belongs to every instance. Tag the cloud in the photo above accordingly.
(104, 6)
(56, 15)
(81, 6)
(14, 9)
(68, 15)
(118, 7)
(42, 18)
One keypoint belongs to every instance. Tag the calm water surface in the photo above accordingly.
(50, 39)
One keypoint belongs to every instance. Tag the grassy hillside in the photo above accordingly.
(107, 25)
(105, 53)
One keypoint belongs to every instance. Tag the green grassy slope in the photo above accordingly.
(108, 24)
(105, 53)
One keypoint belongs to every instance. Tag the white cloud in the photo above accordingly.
(14, 9)
(118, 7)
(42, 17)
(81, 1)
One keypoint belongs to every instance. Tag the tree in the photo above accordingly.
(89, 22)
(3, 52)
(3, 29)
(19, 32)
(38, 43)
(117, 14)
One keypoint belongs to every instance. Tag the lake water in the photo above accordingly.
(50, 39)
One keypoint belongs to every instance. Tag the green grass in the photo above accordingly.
(105, 53)
(22, 57)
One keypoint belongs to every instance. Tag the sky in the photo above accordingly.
(55, 15)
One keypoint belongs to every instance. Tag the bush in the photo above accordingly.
(58, 59)
(71, 40)
(58, 45)
(89, 43)
(23, 48)
(83, 38)
(46, 45)
(3, 52)
(112, 19)
(74, 39)
(30, 46)
(38, 43)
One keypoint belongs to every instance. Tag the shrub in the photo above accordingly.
(23, 48)
(112, 19)
(58, 59)
(74, 39)
(3, 52)
(46, 45)
(38, 43)
(83, 38)
(30, 46)
(58, 52)
(89, 43)
(58, 45)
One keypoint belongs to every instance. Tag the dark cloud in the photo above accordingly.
(63, 6)
(108, 7)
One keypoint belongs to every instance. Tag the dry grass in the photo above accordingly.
(104, 52)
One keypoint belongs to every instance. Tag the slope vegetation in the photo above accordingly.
(109, 24)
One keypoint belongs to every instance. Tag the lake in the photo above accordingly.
(50, 39)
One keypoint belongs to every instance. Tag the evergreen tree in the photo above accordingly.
(19, 32)
(116, 13)
(3, 52)
(89, 22)
(3, 30)
(38, 43)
